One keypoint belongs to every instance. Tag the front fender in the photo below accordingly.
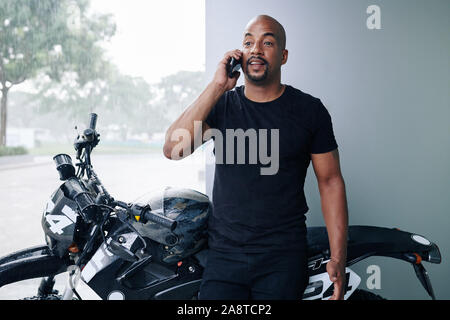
(35, 262)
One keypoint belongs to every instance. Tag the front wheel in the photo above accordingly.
(363, 295)
(46, 297)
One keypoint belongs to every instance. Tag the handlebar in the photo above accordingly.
(93, 121)
(144, 214)
(89, 139)
(160, 219)
(87, 205)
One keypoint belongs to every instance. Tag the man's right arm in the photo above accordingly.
(199, 110)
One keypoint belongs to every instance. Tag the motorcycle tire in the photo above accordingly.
(363, 295)
(47, 297)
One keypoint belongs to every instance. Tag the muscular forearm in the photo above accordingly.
(198, 111)
(178, 141)
(335, 212)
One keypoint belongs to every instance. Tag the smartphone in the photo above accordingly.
(233, 66)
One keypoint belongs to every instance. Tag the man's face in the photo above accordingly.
(262, 52)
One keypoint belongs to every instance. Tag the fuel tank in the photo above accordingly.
(190, 209)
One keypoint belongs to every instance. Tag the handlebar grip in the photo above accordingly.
(160, 219)
(93, 122)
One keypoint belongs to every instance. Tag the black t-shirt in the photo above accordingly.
(254, 212)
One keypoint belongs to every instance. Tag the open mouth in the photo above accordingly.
(256, 62)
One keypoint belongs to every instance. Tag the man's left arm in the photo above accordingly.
(335, 212)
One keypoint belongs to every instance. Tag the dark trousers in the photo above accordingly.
(255, 276)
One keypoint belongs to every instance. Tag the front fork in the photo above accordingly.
(46, 286)
(72, 283)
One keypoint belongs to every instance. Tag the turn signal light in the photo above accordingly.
(418, 258)
(73, 248)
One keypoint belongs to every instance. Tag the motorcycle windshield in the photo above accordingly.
(155, 199)
(170, 201)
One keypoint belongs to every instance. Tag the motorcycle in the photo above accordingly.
(156, 247)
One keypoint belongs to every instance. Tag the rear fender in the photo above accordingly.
(367, 241)
(35, 262)
(398, 244)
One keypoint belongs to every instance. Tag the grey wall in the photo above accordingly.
(388, 94)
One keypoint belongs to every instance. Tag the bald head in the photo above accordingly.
(279, 32)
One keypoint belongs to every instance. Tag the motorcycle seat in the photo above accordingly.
(317, 240)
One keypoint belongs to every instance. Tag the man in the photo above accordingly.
(257, 231)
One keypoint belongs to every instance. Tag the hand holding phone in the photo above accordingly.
(227, 74)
